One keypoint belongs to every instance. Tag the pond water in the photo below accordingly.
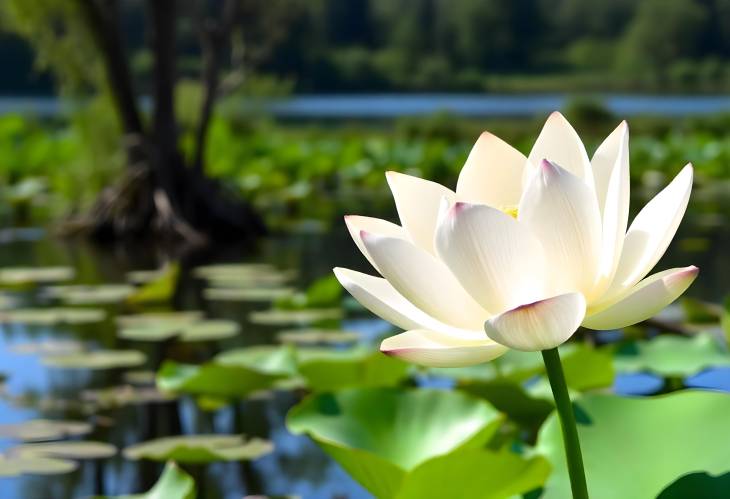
(384, 106)
(296, 466)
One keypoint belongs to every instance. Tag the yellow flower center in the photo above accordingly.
(510, 210)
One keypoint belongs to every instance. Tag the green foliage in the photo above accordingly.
(413, 432)
(660, 439)
(199, 449)
(672, 356)
(174, 483)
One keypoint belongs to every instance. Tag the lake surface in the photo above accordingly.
(384, 106)
(296, 466)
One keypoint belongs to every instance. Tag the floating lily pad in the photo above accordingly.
(275, 317)
(384, 436)
(244, 275)
(52, 316)
(672, 356)
(47, 347)
(210, 330)
(224, 269)
(145, 276)
(140, 377)
(44, 429)
(313, 336)
(174, 483)
(32, 275)
(214, 380)
(327, 369)
(269, 359)
(120, 396)
(699, 485)
(246, 294)
(177, 318)
(90, 294)
(97, 359)
(200, 449)
(11, 466)
(659, 439)
(7, 301)
(76, 450)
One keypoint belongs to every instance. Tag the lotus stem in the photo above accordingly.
(573, 456)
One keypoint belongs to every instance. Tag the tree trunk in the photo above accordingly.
(160, 195)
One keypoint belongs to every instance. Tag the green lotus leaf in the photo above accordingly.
(314, 336)
(476, 474)
(672, 356)
(159, 290)
(82, 294)
(700, 312)
(43, 429)
(659, 439)
(11, 465)
(210, 330)
(246, 294)
(204, 330)
(200, 449)
(699, 485)
(214, 380)
(46, 347)
(33, 275)
(52, 316)
(327, 369)
(176, 318)
(380, 435)
(174, 483)
(120, 396)
(270, 359)
(239, 269)
(71, 449)
(276, 317)
(585, 367)
(96, 359)
(513, 399)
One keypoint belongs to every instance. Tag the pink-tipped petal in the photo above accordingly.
(497, 260)
(562, 212)
(652, 230)
(425, 281)
(377, 295)
(644, 300)
(435, 349)
(540, 325)
(559, 142)
(356, 224)
(611, 170)
(492, 173)
(418, 202)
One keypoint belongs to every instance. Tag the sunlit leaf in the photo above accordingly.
(327, 369)
(275, 317)
(672, 356)
(31, 275)
(90, 294)
(246, 294)
(44, 429)
(174, 483)
(52, 316)
(313, 336)
(200, 449)
(380, 435)
(159, 290)
(96, 359)
(659, 439)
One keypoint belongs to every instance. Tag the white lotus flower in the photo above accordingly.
(522, 254)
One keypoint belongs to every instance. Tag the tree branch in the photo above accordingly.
(213, 37)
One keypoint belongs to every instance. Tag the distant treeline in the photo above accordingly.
(471, 45)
